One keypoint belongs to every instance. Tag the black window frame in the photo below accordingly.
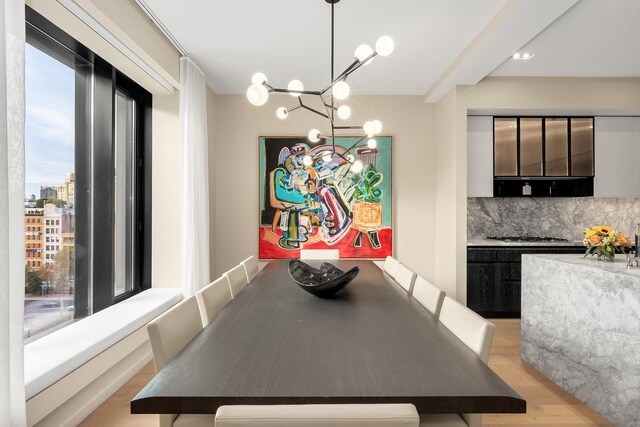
(94, 166)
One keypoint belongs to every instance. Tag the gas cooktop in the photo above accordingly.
(526, 239)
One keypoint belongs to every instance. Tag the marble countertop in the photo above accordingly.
(619, 266)
(488, 242)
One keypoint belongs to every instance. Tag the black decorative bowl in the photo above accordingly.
(322, 283)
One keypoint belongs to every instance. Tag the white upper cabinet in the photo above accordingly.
(480, 156)
(617, 157)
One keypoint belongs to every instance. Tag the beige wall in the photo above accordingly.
(165, 212)
(211, 127)
(445, 230)
(234, 184)
(510, 93)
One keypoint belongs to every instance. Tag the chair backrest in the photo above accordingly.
(251, 267)
(213, 298)
(319, 254)
(429, 295)
(237, 279)
(405, 277)
(391, 266)
(170, 332)
(323, 415)
(473, 330)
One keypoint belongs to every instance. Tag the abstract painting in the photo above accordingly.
(325, 204)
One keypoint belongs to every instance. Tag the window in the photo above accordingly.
(124, 183)
(87, 132)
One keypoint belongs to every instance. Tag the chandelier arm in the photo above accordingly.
(293, 109)
(313, 110)
(349, 70)
(344, 158)
(349, 127)
(336, 80)
(333, 137)
(302, 92)
(356, 143)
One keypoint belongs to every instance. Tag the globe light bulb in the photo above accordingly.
(314, 135)
(341, 90)
(350, 158)
(363, 52)
(516, 56)
(377, 126)
(282, 113)
(295, 86)
(384, 46)
(307, 160)
(368, 128)
(357, 166)
(526, 55)
(344, 112)
(372, 143)
(258, 79)
(327, 157)
(257, 94)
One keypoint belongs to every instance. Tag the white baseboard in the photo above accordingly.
(74, 397)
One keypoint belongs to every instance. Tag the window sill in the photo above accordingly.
(50, 358)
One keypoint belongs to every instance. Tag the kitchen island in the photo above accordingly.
(581, 328)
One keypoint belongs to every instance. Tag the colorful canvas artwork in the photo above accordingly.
(325, 205)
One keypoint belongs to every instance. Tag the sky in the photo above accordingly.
(49, 122)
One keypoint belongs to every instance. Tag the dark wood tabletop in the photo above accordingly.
(371, 343)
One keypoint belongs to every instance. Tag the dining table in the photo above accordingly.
(371, 342)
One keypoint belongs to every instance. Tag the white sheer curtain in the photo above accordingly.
(12, 35)
(194, 216)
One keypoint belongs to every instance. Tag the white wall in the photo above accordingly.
(234, 184)
(125, 20)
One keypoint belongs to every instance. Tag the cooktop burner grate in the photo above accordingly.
(526, 239)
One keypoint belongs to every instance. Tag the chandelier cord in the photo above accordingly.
(333, 131)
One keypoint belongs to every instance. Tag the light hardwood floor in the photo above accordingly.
(547, 404)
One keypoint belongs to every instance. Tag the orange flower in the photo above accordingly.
(604, 229)
(595, 240)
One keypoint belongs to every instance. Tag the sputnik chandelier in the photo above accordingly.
(338, 89)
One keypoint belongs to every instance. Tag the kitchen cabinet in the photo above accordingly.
(617, 150)
(494, 276)
(556, 153)
(582, 146)
(531, 146)
(505, 149)
(480, 156)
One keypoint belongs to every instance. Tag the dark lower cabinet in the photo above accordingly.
(494, 275)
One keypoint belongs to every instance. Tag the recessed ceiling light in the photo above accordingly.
(522, 55)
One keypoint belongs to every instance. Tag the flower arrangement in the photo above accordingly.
(604, 241)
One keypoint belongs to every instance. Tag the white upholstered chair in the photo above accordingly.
(347, 415)
(428, 295)
(405, 277)
(477, 334)
(213, 298)
(169, 333)
(251, 267)
(319, 254)
(391, 266)
(237, 278)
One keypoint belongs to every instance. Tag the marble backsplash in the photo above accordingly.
(564, 217)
